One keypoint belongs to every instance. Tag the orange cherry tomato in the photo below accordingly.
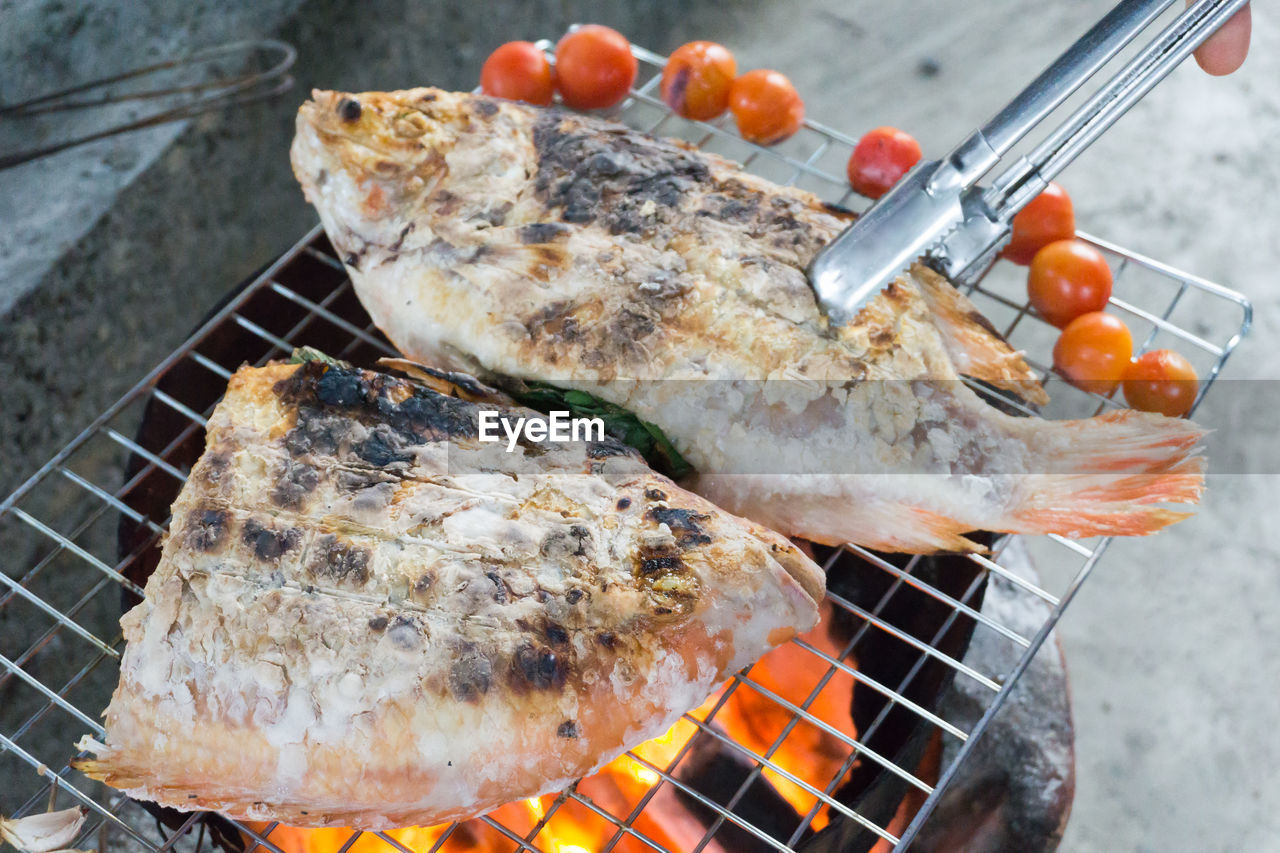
(1161, 381)
(697, 78)
(881, 157)
(1068, 278)
(594, 67)
(766, 106)
(1048, 217)
(518, 71)
(1093, 352)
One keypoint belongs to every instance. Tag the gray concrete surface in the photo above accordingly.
(56, 200)
(1169, 644)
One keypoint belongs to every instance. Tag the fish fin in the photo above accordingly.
(879, 524)
(1114, 471)
(110, 772)
(450, 383)
(975, 347)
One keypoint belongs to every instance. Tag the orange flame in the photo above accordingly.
(748, 716)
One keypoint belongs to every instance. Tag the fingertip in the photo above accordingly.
(1225, 51)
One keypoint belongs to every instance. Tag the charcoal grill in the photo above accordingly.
(96, 537)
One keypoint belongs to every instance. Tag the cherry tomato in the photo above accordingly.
(766, 106)
(594, 67)
(1093, 352)
(1068, 278)
(1048, 217)
(697, 78)
(881, 157)
(1161, 381)
(518, 71)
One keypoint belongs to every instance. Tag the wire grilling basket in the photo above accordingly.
(81, 535)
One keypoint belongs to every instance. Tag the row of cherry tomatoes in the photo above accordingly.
(595, 69)
(1068, 283)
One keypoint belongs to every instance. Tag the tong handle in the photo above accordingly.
(1070, 71)
(1022, 182)
(983, 148)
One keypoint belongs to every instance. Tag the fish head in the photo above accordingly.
(366, 161)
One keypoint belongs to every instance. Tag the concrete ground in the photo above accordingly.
(1169, 643)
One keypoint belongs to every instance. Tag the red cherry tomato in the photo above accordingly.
(1161, 381)
(1048, 217)
(1093, 352)
(594, 67)
(766, 106)
(697, 78)
(1068, 278)
(881, 157)
(518, 71)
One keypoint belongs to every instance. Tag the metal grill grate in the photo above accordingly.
(65, 573)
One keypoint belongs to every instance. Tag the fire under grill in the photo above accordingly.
(839, 740)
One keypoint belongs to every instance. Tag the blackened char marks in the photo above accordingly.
(336, 560)
(316, 431)
(206, 529)
(342, 389)
(614, 176)
(269, 544)
(726, 208)
(329, 398)
(839, 211)
(672, 586)
(383, 447)
(484, 107)
(655, 564)
(541, 232)
(608, 447)
(536, 667)
(499, 587)
(295, 481)
(573, 541)
(777, 220)
(554, 323)
(214, 468)
(685, 524)
(470, 675)
(432, 415)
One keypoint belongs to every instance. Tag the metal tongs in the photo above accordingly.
(938, 212)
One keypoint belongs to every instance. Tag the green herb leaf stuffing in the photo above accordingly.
(647, 438)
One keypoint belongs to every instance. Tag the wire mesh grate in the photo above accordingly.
(69, 571)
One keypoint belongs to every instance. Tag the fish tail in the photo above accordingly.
(1110, 474)
(818, 515)
(922, 531)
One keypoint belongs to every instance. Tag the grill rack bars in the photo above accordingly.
(60, 560)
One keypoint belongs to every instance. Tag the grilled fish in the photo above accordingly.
(519, 242)
(363, 616)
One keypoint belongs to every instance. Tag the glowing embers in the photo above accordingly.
(763, 748)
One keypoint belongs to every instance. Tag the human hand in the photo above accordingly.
(1224, 51)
